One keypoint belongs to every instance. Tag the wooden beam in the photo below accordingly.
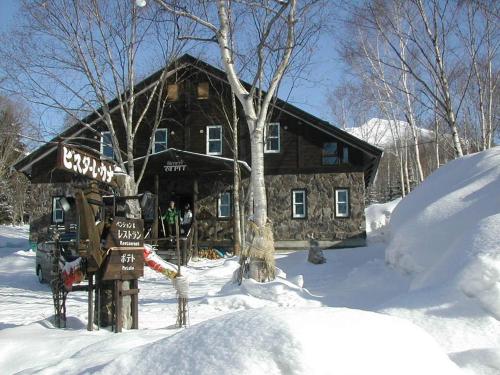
(194, 224)
(129, 292)
(134, 285)
(154, 231)
(90, 319)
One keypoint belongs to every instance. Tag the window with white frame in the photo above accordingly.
(272, 137)
(299, 204)
(57, 210)
(107, 145)
(224, 207)
(342, 202)
(160, 140)
(214, 140)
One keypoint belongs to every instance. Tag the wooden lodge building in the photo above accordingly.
(315, 173)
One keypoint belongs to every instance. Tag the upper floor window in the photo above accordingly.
(299, 204)
(57, 210)
(341, 203)
(160, 140)
(172, 92)
(214, 140)
(334, 153)
(107, 145)
(224, 207)
(330, 153)
(345, 154)
(202, 90)
(272, 137)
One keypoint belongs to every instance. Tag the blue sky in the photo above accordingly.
(311, 95)
(7, 11)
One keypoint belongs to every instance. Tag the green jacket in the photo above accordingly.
(171, 215)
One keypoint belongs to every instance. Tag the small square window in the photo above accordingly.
(202, 90)
(299, 204)
(214, 140)
(57, 210)
(160, 140)
(224, 205)
(172, 92)
(107, 151)
(272, 137)
(342, 203)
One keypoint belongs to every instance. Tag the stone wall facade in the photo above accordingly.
(320, 221)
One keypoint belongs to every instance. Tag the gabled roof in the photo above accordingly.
(187, 60)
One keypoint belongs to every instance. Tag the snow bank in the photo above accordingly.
(291, 341)
(13, 237)
(377, 220)
(252, 294)
(447, 230)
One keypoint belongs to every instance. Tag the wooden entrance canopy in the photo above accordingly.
(175, 162)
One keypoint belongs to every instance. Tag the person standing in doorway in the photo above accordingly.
(170, 217)
(187, 219)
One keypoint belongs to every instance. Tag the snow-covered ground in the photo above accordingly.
(428, 282)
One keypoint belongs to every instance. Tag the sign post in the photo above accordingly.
(125, 262)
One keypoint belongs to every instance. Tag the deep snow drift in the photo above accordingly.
(293, 342)
(448, 230)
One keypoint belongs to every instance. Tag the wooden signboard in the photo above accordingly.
(126, 233)
(175, 166)
(124, 264)
(73, 159)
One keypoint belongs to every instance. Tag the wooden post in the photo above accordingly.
(154, 231)
(134, 285)
(90, 324)
(181, 301)
(118, 306)
(194, 223)
(184, 251)
(98, 282)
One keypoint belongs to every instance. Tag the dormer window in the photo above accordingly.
(202, 90)
(160, 140)
(272, 137)
(172, 92)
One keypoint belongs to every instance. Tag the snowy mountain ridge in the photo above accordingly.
(382, 132)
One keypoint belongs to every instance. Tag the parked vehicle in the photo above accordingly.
(44, 261)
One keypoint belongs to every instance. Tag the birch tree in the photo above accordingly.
(258, 40)
(480, 36)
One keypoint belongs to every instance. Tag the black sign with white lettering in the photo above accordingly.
(126, 233)
(73, 159)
